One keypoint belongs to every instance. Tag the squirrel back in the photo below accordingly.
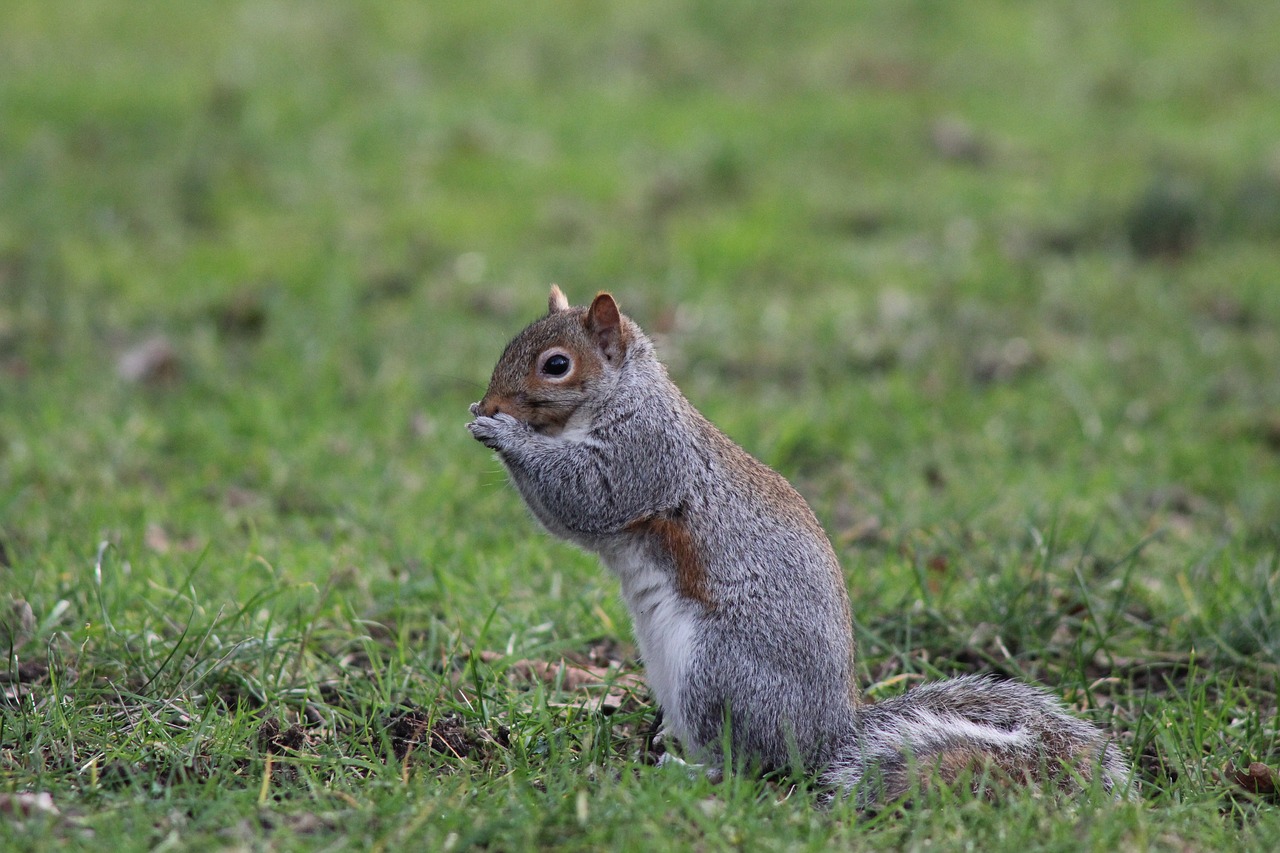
(737, 599)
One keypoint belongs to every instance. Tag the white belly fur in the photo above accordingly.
(664, 628)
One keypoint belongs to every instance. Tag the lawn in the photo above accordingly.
(995, 284)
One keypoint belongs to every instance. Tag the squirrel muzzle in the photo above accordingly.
(489, 406)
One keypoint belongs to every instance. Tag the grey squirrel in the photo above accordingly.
(737, 599)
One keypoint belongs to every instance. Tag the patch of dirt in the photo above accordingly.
(1268, 432)
(15, 683)
(1152, 673)
(243, 315)
(410, 729)
(235, 693)
(1152, 766)
(27, 672)
(299, 823)
(159, 770)
(1227, 310)
(280, 743)
(1166, 221)
(274, 739)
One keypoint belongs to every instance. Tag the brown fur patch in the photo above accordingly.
(675, 538)
(954, 763)
(999, 770)
(491, 405)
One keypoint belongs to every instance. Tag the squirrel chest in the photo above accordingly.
(664, 620)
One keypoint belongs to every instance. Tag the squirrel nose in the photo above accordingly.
(486, 408)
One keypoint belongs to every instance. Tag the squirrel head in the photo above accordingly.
(559, 363)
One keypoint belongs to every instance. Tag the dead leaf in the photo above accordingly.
(568, 675)
(157, 539)
(865, 531)
(17, 625)
(956, 140)
(153, 361)
(28, 804)
(1257, 778)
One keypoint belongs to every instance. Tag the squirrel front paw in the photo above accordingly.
(497, 432)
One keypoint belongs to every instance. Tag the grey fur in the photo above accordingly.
(769, 647)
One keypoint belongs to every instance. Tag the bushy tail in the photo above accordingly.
(975, 725)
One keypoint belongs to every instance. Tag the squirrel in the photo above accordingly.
(737, 599)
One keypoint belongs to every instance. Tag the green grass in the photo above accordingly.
(994, 283)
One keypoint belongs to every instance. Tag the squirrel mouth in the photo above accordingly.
(549, 417)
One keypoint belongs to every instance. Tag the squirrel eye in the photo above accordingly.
(556, 365)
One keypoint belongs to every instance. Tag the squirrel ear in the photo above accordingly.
(604, 323)
(556, 301)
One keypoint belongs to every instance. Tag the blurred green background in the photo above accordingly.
(995, 283)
